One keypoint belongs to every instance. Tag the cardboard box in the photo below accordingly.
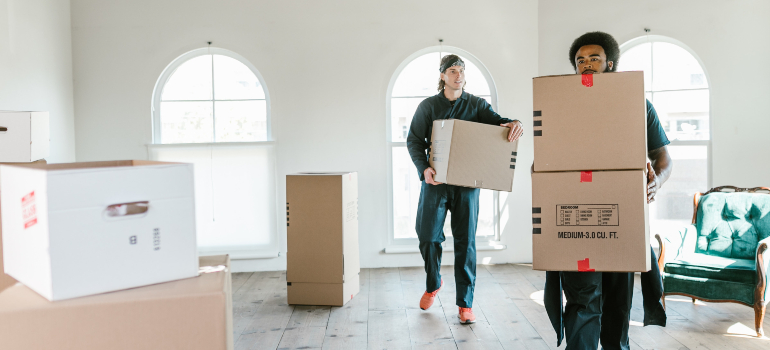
(601, 127)
(590, 221)
(71, 230)
(322, 236)
(24, 136)
(472, 154)
(5, 280)
(190, 314)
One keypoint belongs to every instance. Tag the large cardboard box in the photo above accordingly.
(322, 236)
(590, 221)
(24, 136)
(472, 154)
(590, 122)
(5, 280)
(71, 230)
(190, 314)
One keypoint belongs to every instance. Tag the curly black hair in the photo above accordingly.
(606, 41)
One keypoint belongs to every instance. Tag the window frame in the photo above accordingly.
(393, 243)
(660, 38)
(176, 63)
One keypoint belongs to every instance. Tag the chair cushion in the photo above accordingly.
(704, 288)
(731, 224)
(714, 267)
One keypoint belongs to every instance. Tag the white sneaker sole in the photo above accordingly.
(466, 322)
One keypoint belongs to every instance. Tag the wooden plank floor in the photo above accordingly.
(507, 304)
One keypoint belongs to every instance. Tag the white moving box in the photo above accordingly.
(77, 229)
(24, 136)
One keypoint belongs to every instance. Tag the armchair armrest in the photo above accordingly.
(674, 244)
(762, 261)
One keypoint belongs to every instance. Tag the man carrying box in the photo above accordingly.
(452, 102)
(599, 303)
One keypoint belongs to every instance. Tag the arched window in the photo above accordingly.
(677, 85)
(414, 80)
(210, 107)
(210, 95)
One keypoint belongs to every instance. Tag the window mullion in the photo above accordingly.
(213, 104)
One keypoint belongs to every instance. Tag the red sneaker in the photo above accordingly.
(466, 315)
(427, 298)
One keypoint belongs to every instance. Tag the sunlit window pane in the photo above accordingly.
(638, 58)
(401, 112)
(683, 114)
(406, 194)
(673, 204)
(190, 81)
(233, 80)
(241, 121)
(420, 77)
(186, 122)
(674, 68)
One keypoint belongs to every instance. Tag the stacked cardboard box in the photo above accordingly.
(24, 138)
(136, 219)
(589, 203)
(322, 237)
(72, 231)
(470, 154)
(193, 313)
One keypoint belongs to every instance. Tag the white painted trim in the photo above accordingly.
(392, 241)
(415, 249)
(660, 38)
(211, 144)
(172, 67)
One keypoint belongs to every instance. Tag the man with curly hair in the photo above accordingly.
(599, 303)
(451, 102)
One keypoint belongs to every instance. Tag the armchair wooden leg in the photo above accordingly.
(693, 300)
(759, 317)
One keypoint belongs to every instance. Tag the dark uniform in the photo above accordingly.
(435, 200)
(599, 303)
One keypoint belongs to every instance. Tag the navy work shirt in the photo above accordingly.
(656, 136)
(467, 107)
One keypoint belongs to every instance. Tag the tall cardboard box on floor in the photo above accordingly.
(24, 136)
(5, 280)
(78, 229)
(590, 122)
(322, 236)
(191, 314)
(470, 154)
(590, 221)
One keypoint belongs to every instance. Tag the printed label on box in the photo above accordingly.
(28, 210)
(351, 211)
(587, 215)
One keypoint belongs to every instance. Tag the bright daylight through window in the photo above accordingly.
(211, 109)
(417, 81)
(676, 85)
(213, 98)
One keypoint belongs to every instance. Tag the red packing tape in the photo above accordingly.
(588, 80)
(586, 176)
(585, 266)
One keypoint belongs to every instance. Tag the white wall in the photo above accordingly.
(36, 66)
(732, 39)
(327, 65)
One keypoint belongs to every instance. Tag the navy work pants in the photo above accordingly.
(598, 309)
(463, 203)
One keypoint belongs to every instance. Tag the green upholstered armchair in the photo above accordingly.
(723, 255)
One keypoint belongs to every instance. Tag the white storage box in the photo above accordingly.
(24, 136)
(77, 229)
